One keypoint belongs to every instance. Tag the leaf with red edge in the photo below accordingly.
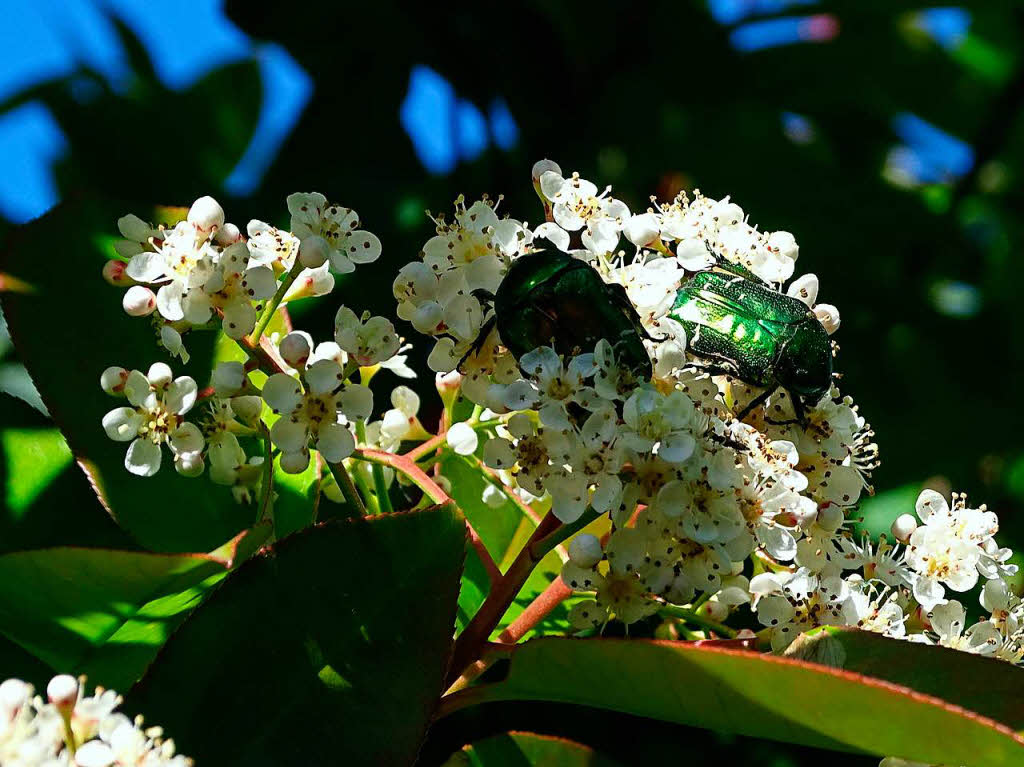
(106, 613)
(761, 695)
(330, 648)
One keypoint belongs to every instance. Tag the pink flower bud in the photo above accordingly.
(112, 380)
(903, 527)
(206, 215)
(295, 348)
(114, 272)
(63, 693)
(139, 301)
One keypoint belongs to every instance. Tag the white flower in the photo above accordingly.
(659, 424)
(584, 458)
(315, 413)
(554, 387)
(269, 246)
(576, 204)
(338, 226)
(946, 550)
(232, 288)
(156, 417)
(368, 340)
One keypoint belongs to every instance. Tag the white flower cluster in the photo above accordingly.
(710, 512)
(72, 729)
(204, 269)
(300, 399)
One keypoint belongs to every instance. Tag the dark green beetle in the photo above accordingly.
(550, 298)
(737, 323)
(745, 328)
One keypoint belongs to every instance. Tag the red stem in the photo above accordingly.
(500, 598)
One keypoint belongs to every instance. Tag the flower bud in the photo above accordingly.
(206, 215)
(14, 694)
(447, 385)
(139, 301)
(229, 378)
(313, 251)
(296, 347)
(585, 550)
(228, 234)
(114, 272)
(311, 283)
(715, 610)
(543, 166)
(112, 380)
(171, 340)
(828, 316)
(62, 692)
(804, 288)
(462, 438)
(903, 527)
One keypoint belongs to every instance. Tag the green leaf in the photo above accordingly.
(762, 695)
(34, 459)
(329, 649)
(514, 749)
(105, 613)
(67, 330)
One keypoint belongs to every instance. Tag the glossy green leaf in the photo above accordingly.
(106, 613)
(329, 649)
(762, 695)
(34, 459)
(515, 749)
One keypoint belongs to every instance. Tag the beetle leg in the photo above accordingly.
(759, 400)
(478, 344)
(799, 411)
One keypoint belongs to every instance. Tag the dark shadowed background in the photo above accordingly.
(886, 136)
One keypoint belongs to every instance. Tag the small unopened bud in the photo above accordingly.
(543, 166)
(311, 283)
(228, 234)
(228, 378)
(448, 385)
(828, 316)
(463, 439)
(139, 301)
(62, 692)
(585, 550)
(804, 288)
(206, 214)
(903, 527)
(296, 347)
(715, 610)
(112, 380)
(115, 273)
(14, 694)
(313, 251)
(159, 375)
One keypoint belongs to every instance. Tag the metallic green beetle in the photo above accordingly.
(550, 298)
(745, 328)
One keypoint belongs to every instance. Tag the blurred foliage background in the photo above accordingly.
(886, 136)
